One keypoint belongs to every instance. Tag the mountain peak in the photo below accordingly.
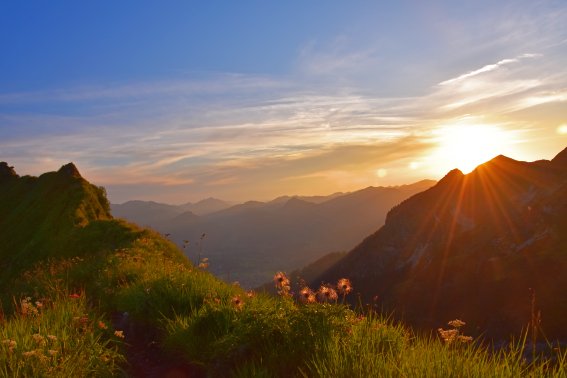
(501, 159)
(69, 170)
(451, 176)
(561, 158)
(7, 171)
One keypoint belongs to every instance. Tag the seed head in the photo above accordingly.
(344, 286)
(119, 334)
(237, 302)
(306, 295)
(327, 294)
(456, 323)
(281, 280)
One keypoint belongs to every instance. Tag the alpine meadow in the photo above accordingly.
(283, 189)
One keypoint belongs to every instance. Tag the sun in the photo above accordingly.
(465, 146)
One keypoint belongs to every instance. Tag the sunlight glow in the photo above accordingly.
(465, 146)
(381, 172)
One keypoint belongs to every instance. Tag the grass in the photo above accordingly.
(79, 290)
(58, 338)
(219, 327)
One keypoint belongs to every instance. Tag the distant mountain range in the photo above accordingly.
(150, 212)
(472, 247)
(249, 242)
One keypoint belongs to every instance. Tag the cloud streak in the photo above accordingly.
(487, 68)
(244, 137)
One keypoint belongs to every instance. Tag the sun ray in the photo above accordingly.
(466, 144)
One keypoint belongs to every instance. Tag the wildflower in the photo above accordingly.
(204, 264)
(344, 286)
(250, 294)
(10, 343)
(52, 338)
(27, 308)
(52, 352)
(465, 339)
(38, 304)
(281, 280)
(74, 296)
(456, 323)
(327, 294)
(29, 354)
(119, 334)
(237, 302)
(102, 325)
(306, 295)
(448, 335)
(38, 339)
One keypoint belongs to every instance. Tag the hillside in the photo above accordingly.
(100, 297)
(473, 247)
(47, 215)
(249, 241)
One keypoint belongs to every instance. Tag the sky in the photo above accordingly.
(176, 101)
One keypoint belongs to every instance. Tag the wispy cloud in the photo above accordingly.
(280, 134)
(487, 68)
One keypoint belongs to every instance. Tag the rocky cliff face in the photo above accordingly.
(472, 247)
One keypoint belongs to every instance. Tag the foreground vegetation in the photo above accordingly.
(80, 316)
(83, 294)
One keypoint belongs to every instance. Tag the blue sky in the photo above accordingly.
(180, 100)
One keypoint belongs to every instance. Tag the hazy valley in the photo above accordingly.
(248, 242)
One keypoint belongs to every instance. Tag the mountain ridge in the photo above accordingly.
(466, 237)
(52, 212)
(248, 242)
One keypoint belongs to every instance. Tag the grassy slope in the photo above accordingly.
(88, 276)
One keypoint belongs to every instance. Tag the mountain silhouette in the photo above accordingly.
(473, 247)
(249, 242)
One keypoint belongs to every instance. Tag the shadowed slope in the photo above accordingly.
(47, 216)
(472, 247)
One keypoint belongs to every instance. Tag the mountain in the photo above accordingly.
(83, 294)
(149, 213)
(145, 212)
(44, 215)
(472, 247)
(206, 206)
(250, 241)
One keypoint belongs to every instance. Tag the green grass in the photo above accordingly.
(194, 318)
(61, 337)
(62, 249)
